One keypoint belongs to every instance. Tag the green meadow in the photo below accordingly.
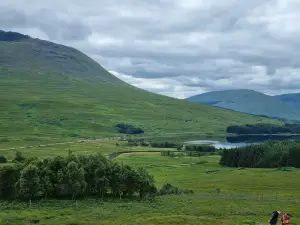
(245, 197)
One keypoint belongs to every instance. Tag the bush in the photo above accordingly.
(3, 140)
(165, 144)
(169, 189)
(19, 157)
(200, 148)
(128, 129)
(2, 159)
(153, 144)
(201, 162)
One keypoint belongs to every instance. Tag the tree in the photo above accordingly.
(116, 180)
(46, 179)
(90, 164)
(146, 183)
(131, 180)
(19, 157)
(29, 182)
(9, 176)
(76, 182)
(61, 186)
(101, 180)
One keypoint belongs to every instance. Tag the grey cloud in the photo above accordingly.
(46, 21)
(209, 45)
(12, 18)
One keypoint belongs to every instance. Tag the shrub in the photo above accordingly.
(169, 189)
(2, 159)
(128, 129)
(3, 140)
(19, 157)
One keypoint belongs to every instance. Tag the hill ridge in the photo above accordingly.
(248, 101)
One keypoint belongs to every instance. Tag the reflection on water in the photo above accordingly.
(260, 138)
(218, 144)
(244, 140)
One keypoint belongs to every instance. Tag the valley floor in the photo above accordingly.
(247, 196)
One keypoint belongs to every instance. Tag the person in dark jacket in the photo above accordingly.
(274, 217)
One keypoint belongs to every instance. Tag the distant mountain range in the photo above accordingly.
(285, 107)
(291, 99)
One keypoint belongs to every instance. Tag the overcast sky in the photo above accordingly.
(174, 47)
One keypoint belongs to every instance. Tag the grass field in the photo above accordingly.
(247, 196)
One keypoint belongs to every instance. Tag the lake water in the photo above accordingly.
(218, 144)
(244, 140)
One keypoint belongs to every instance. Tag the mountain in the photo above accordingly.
(249, 101)
(291, 99)
(50, 91)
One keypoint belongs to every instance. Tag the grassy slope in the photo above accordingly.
(202, 208)
(49, 91)
(249, 101)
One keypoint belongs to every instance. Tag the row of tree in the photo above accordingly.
(262, 128)
(251, 138)
(186, 150)
(73, 177)
(154, 144)
(201, 148)
(271, 154)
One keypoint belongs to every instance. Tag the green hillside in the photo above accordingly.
(50, 91)
(291, 99)
(249, 101)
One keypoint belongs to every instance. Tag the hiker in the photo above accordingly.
(286, 219)
(274, 218)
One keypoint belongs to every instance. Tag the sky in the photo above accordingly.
(177, 48)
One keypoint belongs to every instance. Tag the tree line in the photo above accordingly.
(262, 128)
(271, 154)
(74, 177)
(167, 144)
(154, 144)
(201, 148)
(251, 138)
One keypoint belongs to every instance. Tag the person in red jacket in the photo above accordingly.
(286, 219)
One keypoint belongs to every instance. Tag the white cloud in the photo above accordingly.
(166, 86)
(174, 47)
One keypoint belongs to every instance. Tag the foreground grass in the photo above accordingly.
(247, 196)
(166, 210)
